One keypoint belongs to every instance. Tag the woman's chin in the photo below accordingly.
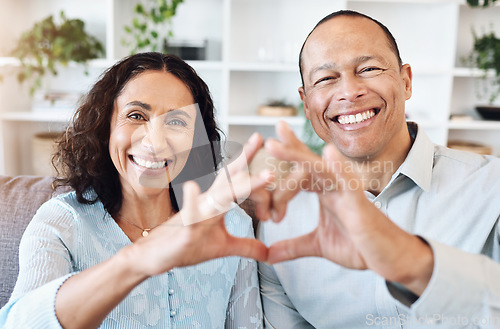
(156, 181)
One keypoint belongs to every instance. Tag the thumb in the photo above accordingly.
(301, 246)
(247, 247)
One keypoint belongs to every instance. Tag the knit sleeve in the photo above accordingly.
(44, 264)
(35, 309)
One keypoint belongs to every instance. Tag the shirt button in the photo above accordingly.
(170, 291)
(378, 204)
(173, 313)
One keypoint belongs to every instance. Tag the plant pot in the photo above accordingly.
(277, 111)
(43, 147)
(489, 112)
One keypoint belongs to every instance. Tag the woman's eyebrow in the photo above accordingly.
(180, 112)
(139, 104)
(145, 106)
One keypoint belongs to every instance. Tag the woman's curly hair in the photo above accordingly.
(82, 157)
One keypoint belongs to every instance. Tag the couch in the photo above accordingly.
(20, 197)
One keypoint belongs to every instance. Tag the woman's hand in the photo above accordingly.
(197, 233)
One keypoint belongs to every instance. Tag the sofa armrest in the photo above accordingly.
(20, 198)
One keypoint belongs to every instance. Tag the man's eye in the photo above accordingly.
(371, 70)
(324, 80)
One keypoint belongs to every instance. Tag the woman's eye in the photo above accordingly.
(136, 116)
(177, 122)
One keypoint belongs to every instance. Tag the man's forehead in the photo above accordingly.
(343, 33)
(347, 27)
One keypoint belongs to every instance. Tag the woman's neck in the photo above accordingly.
(146, 211)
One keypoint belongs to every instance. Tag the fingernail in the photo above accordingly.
(274, 216)
(254, 137)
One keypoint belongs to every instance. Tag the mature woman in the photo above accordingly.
(117, 252)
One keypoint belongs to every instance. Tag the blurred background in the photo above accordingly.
(247, 52)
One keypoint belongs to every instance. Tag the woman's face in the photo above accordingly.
(151, 133)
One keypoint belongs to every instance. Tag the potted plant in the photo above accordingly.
(485, 56)
(481, 3)
(48, 44)
(151, 25)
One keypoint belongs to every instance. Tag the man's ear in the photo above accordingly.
(407, 76)
(303, 97)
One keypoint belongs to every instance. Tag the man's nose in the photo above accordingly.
(349, 88)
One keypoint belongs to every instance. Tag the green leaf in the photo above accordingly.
(139, 9)
(152, 20)
(48, 43)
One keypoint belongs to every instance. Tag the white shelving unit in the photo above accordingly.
(252, 59)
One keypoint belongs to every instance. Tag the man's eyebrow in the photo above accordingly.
(362, 59)
(326, 66)
(355, 61)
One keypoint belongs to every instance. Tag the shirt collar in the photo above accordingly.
(420, 160)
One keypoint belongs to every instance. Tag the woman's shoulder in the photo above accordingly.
(238, 222)
(65, 209)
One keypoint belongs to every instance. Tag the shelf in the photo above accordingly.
(255, 120)
(206, 65)
(9, 61)
(411, 1)
(263, 67)
(474, 125)
(38, 116)
(428, 124)
(66, 115)
(466, 72)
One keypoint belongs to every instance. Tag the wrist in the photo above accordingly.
(129, 260)
(419, 267)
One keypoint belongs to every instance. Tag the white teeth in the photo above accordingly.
(360, 117)
(150, 164)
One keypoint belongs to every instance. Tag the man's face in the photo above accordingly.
(354, 89)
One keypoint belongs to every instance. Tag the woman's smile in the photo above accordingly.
(153, 164)
(152, 130)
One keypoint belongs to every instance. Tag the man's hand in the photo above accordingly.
(351, 231)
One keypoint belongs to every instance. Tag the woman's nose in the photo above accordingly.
(155, 138)
(349, 88)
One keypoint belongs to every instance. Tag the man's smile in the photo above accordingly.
(355, 118)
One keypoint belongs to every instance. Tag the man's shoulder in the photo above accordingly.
(464, 160)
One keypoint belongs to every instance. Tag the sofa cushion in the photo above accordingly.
(20, 197)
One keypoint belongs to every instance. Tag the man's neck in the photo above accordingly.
(376, 172)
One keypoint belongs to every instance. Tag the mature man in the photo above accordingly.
(431, 262)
